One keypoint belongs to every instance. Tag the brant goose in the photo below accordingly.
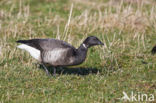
(153, 50)
(57, 52)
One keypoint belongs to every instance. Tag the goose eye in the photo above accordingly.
(94, 39)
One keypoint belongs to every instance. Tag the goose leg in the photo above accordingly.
(45, 68)
(54, 72)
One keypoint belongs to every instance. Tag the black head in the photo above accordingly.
(91, 41)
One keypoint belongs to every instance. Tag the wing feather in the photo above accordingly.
(46, 44)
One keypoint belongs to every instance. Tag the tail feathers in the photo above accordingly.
(33, 52)
(22, 41)
(22, 46)
(32, 42)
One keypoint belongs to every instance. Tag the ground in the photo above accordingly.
(123, 64)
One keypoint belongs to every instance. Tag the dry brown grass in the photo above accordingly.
(124, 18)
(126, 27)
(127, 18)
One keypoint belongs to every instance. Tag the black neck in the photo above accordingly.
(83, 47)
(81, 54)
(82, 51)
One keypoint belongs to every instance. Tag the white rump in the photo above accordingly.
(35, 53)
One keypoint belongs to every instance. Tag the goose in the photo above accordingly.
(54, 52)
(154, 50)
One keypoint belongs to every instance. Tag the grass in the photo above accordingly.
(125, 63)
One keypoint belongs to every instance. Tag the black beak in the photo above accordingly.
(100, 43)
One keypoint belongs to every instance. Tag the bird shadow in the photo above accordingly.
(72, 70)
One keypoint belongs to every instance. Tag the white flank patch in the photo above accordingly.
(54, 55)
(33, 52)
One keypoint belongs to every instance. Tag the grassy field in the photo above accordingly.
(128, 30)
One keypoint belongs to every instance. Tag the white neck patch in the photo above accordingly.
(84, 46)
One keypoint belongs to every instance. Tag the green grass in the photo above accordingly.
(125, 63)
